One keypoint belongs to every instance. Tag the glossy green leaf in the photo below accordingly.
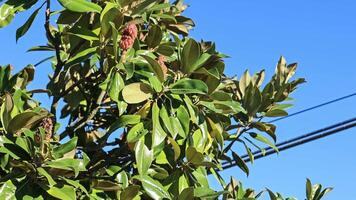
(144, 157)
(136, 93)
(130, 192)
(240, 163)
(64, 192)
(49, 178)
(189, 86)
(62, 149)
(156, 68)
(263, 139)
(116, 85)
(123, 121)
(84, 34)
(82, 55)
(75, 165)
(276, 113)
(7, 13)
(105, 185)
(155, 84)
(154, 36)
(8, 191)
(190, 54)
(136, 132)
(154, 188)
(194, 156)
(206, 193)
(158, 134)
(24, 28)
(24, 120)
(80, 6)
(5, 111)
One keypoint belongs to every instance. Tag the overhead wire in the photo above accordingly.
(278, 145)
(302, 137)
(315, 107)
(335, 129)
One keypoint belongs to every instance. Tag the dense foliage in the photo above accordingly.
(150, 111)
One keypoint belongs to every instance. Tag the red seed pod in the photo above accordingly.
(161, 61)
(130, 30)
(47, 125)
(126, 42)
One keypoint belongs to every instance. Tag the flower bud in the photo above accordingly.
(126, 42)
(130, 30)
(161, 61)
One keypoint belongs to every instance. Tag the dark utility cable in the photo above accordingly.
(324, 132)
(314, 107)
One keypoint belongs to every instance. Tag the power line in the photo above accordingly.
(269, 149)
(314, 107)
(335, 129)
(302, 136)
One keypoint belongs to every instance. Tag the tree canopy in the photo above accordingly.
(150, 111)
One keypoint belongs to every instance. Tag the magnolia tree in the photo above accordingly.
(150, 111)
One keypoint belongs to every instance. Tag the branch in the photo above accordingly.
(228, 147)
(79, 124)
(59, 64)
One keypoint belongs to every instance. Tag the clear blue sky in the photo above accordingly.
(320, 35)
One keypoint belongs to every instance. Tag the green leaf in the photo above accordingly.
(115, 38)
(189, 86)
(79, 57)
(105, 185)
(240, 163)
(116, 85)
(167, 121)
(80, 6)
(176, 148)
(8, 191)
(158, 134)
(7, 13)
(154, 36)
(144, 157)
(24, 120)
(200, 62)
(64, 192)
(24, 28)
(264, 140)
(187, 193)
(84, 34)
(136, 132)
(324, 192)
(190, 54)
(276, 113)
(154, 188)
(49, 178)
(123, 121)
(308, 190)
(206, 193)
(156, 68)
(184, 119)
(62, 149)
(130, 192)
(76, 184)
(193, 156)
(136, 93)
(244, 82)
(252, 99)
(267, 128)
(6, 109)
(155, 83)
(165, 49)
(75, 165)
